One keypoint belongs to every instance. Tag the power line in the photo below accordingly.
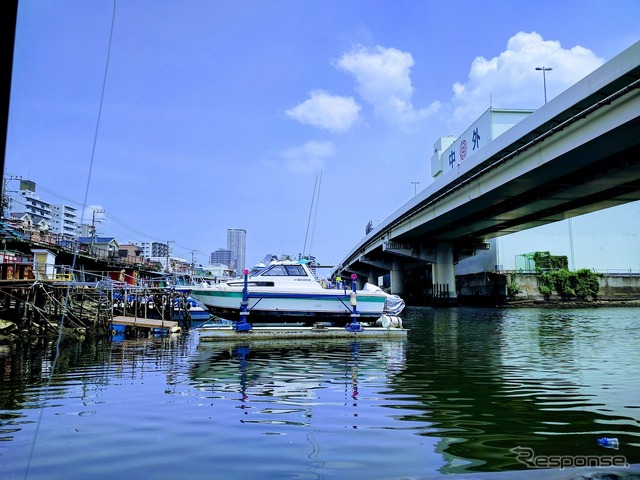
(109, 216)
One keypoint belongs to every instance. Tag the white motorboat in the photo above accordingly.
(288, 292)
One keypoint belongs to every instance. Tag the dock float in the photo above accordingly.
(227, 332)
(145, 324)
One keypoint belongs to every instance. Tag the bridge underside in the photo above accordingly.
(596, 174)
(600, 174)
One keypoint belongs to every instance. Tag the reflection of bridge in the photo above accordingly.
(577, 154)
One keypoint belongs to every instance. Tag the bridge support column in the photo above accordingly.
(373, 277)
(444, 275)
(360, 282)
(397, 277)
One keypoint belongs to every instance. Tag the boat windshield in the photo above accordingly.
(284, 271)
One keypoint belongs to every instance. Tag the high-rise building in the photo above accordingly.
(61, 219)
(153, 249)
(221, 257)
(26, 201)
(64, 219)
(237, 243)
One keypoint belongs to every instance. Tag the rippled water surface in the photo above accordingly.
(463, 390)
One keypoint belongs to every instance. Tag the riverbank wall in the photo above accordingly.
(491, 288)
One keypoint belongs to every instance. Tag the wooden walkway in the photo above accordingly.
(143, 322)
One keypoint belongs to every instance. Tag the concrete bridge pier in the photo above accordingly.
(444, 275)
(373, 277)
(397, 277)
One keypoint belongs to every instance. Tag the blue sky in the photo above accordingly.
(222, 114)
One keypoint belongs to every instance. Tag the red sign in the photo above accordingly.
(463, 149)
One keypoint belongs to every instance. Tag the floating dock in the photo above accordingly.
(227, 332)
(145, 324)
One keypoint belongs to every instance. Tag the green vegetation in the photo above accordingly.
(587, 284)
(545, 261)
(554, 275)
(513, 289)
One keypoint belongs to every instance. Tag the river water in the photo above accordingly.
(469, 390)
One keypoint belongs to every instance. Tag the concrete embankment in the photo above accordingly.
(498, 288)
(613, 288)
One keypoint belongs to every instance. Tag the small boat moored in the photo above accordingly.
(287, 292)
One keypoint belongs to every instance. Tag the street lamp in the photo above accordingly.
(544, 83)
(415, 188)
(544, 79)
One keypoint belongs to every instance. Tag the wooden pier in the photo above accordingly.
(145, 323)
(49, 281)
(39, 307)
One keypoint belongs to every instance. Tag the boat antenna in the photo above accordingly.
(315, 213)
(313, 198)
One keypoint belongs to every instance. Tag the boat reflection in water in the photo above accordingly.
(284, 382)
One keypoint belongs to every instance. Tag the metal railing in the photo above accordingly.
(619, 272)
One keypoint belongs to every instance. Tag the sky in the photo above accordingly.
(297, 121)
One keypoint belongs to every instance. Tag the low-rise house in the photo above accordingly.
(130, 253)
(104, 247)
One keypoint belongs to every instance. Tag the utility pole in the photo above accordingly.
(193, 261)
(6, 199)
(92, 231)
(169, 252)
(415, 188)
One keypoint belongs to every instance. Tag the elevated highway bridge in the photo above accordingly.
(577, 154)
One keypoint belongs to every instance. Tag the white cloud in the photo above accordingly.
(309, 157)
(331, 112)
(384, 81)
(510, 80)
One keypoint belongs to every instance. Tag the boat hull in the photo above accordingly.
(266, 306)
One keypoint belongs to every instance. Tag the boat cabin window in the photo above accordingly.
(295, 270)
(286, 270)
